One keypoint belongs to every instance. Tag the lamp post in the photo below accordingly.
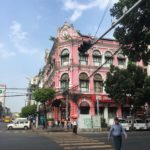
(98, 112)
(132, 116)
(37, 117)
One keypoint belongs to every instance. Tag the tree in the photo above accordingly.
(133, 33)
(123, 84)
(42, 95)
(28, 110)
(143, 94)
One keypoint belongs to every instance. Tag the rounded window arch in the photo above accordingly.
(84, 107)
(98, 83)
(97, 59)
(84, 82)
(65, 57)
(121, 59)
(64, 81)
(108, 58)
(96, 53)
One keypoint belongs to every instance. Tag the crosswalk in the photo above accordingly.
(72, 142)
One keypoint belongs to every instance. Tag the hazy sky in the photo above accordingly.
(25, 28)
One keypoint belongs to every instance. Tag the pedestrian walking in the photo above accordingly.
(75, 127)
(116, 131)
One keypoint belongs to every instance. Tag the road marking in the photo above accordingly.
(70, 141)
(76, 144)
(104, 147)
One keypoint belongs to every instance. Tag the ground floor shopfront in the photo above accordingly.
(84, 107)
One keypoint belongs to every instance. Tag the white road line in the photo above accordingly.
(104, 147)
(79, 144)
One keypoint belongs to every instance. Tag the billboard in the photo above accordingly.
(2, 94)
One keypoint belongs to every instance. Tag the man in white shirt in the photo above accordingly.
(75, 127)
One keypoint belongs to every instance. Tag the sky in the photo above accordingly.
(25, 28)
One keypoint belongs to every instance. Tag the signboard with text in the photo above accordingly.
(2, 93)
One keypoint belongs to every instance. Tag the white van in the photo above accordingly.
(22, 119)
(139, 124)
(19, 124)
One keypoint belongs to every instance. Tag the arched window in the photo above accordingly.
(65, 57)
(84, 82)
(97, 59)
(108, 58)
(98, 83)
(121, 59)
(64, 81)
(83, 59)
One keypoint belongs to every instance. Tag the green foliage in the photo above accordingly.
(143, 94)
(44, 94)
(123, 83)
(28, 110)
(134, 30)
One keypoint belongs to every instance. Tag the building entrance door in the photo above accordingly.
(84, 108)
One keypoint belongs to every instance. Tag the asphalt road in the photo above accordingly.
(24, 140)
(29, 140)
(137, 140)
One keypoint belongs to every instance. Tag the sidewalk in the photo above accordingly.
(57, 129)
(54, 129)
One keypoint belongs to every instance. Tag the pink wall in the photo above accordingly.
(74, 69)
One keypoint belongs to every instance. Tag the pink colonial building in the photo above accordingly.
(67, 69)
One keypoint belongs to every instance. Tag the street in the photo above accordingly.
(22, 140)
(137, 140)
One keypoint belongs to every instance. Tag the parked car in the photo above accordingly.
(125, 124)
(147, 121)
(20, 124)
(139, 124)
(18, 119)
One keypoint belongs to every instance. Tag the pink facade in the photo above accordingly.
(68, 69)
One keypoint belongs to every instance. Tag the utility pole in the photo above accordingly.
(37, 116)
(67, 100)
(67, 106)
(98, 112)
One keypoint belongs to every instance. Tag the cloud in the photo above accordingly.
(4, 53)
(78, 8)
(20, 38)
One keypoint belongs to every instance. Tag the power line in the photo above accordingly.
(100, 66)
(14, 88)
(122, 17)
(101, 21)
(13, 95)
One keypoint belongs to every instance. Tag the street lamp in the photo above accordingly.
(98, 112)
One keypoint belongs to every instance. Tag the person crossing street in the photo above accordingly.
(116, 131)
